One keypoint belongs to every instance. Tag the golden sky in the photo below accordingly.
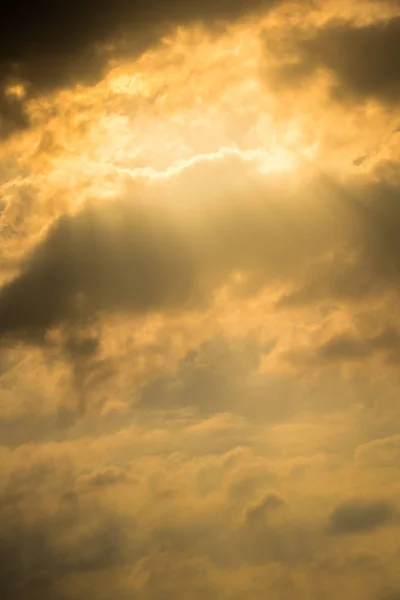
(199, 301)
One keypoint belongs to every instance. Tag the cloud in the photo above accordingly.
(108, 477)
(217, 376)
(13, 116)
(34, 563)
(363, 59)
(49, 535)
(87, 264)
(256, 512)
(366, 266)
(361, 516)
(320, 241)
(204, 465)
(392, 595)
(382, 452)
(47, 46)
(349, 347)
(145, 256)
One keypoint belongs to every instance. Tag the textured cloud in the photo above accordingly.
(363, 60)
(199, 301)
(259, 509)
(359, 516)
(145, 257)
(128, 262)
(12, 114)
(47, 46)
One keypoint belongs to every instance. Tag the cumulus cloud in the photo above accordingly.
(257, 511)
(87, 264)
(33, 565)
(141, 257)
(48, 47)
(358, 516)
(350, 348)
(382, 452)
(109, 477)
(175, 233)
(13, 116)
(362, 59)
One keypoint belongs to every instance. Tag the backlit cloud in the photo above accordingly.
(199, 300)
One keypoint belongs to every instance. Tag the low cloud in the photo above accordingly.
(256, 512)
(363, 60)
(149, 257)
(48, 47)
(361, 516)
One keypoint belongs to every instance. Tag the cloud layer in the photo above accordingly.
(199, 292)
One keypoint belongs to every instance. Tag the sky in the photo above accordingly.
(199, 300)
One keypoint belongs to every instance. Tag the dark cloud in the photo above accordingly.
(364, 60)
(13, 116)
(392, 595)
(141, 257)
(287, 544)
(349, 347)
(48, 45)
(88, 264)
(361, 516)
(81, 347)
(33, 564)
(50, 535)
(221, 375)
(268, 502)
(364, 266)
(108, 477)
(324, 242)
(346, 347)
(213, 378)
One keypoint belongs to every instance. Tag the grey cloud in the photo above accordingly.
(87, 264)
(381, 452)
(287, 543)
(79, 347)
(131, 257)
(369, 263)
(49, 45)
(348, 347)
(108, 477)
(50, 535)
(324, 242)
(392, 595)
(33, 565)
(364, 60)
(221, 375)
(256, 512)
(13, 116)
(212, 378)
(361, 516)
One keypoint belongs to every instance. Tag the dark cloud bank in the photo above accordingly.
(136, 260)
(365, 61)
(358, 516)
(49, 45)
(126, 256)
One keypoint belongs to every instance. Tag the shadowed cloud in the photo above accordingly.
(361, 516)
(49, 45)
(142, 257)
(364, 60)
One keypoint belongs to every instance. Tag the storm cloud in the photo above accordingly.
(142, 257)
(364, 60)
(358, 516)
(199, 300)
(47, 45)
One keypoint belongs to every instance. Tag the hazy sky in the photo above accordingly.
(200, 300)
